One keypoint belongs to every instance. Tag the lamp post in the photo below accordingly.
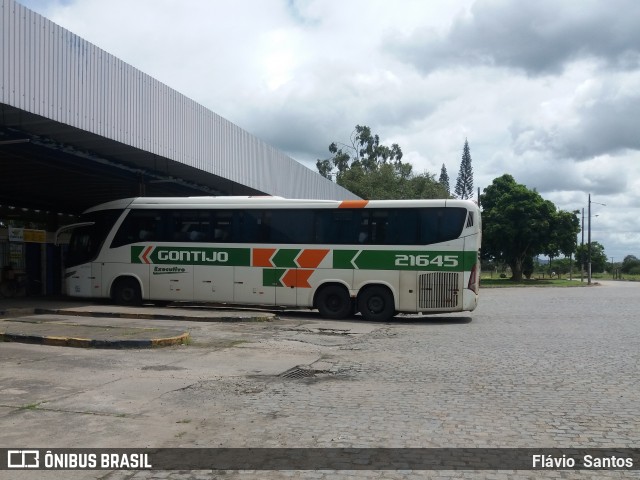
(589, 240)
(589, 244)
(582, 249)
(613, 274)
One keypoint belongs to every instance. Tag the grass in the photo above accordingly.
(547, 282)
(625, 277)
(489, 282)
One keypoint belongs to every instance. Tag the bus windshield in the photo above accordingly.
(86, 240)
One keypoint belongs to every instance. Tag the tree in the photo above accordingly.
(464, 184)
(631, 264)
(560, 266)
(527, 267)
(563, 234)
(598, 257)
(519, 224)
(444, 179)
(365, 152)
(374, 171)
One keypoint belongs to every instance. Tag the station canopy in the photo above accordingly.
(52, 167)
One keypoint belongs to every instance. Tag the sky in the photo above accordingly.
(546, 91)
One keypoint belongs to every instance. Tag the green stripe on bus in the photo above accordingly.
(342, 258)
(441, 260)
(235, 257)
(285, 257)
(446, 261)
(271, 277)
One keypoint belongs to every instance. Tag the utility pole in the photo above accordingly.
(582, 249)
(589, 245)
(613, 273)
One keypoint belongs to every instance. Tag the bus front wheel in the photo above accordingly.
(376, 304)
(126, 291)
(333, 302)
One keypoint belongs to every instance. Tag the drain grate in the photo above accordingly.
(298, 372)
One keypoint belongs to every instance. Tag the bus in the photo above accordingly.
(378, 257)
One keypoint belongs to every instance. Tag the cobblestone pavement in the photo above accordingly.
(530, 368)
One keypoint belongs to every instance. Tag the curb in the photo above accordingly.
(118, 340)
(56, 341)
(153, 316)
(17, 311)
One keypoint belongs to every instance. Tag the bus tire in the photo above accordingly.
(126, 291)
(376, 303)
(333, 302)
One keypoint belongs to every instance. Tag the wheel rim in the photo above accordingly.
(127, 294)
(375, 304)
(334, 303)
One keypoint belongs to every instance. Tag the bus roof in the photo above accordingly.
(271, 202)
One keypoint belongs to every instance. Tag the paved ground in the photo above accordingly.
(536, 368)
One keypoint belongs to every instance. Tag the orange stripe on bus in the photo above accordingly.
(353, 204)
(297, 278)
(311, 258)
(145, 254)
(262, 257)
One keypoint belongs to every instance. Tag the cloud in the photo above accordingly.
(539, 37)
(599, 118)
(600, 175)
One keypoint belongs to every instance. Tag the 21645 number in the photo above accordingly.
(449, 261)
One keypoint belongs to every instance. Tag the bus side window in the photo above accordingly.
(264, 226)
(145, 232)
(441, 224)
(292, 226)
(379, 220)
(174, 228)
(373, 227)
(363, 235)
(148, 226)
(252, 227)
(344, 226)
(222, 225)
(188, 226)
(139, 226)
(402, 227)
(364, 230)
(453, 224)
(430, 225)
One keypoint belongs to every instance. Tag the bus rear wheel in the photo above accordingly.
(126, 291)
(376, 304)
(333, 302)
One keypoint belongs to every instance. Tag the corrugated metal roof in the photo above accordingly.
(75, 87)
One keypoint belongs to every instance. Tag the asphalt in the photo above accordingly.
(59, 321)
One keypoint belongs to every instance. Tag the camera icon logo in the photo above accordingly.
(23, 459)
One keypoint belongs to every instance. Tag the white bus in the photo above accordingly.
(373, 257)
